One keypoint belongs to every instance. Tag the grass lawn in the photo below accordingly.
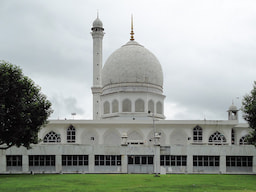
(126, 182)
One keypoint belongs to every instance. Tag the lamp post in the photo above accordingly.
(156, 143)
(73, 114)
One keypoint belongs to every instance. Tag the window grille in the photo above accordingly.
(243, 141)
(107, 160)
(74, 160)
(206, 161)
(173, 160)
(41, 160)
(13, 160)
(217, 137)
(71, 134)
(197, 134)
(239, 161)
(52, 137)
(141, 159)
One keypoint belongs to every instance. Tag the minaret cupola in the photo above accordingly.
(232, 112)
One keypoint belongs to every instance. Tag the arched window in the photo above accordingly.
(106, 107)
(243, 140)
(151, 107)
(115, 106)
(71, 134)
(232, 136)
(217, 137)
(127, 106)
(197, 134)
(52, 137)
(159, 108)
(139, 106)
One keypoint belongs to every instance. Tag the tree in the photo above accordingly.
(23, 108)
(249, 109)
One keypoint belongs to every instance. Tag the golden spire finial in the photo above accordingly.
(132, 33)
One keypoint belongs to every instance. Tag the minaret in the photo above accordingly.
(97, 35)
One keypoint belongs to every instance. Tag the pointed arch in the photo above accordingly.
(112, 138)
(135, 135)
(127, 105)
(90, 137)
(159, 107)
(139, 105)
(52, 137)
(71, 134)
(151, 106)
(106, 107)
(217, 137)
(197, 134)
(115, 106)
(243, 140)
(178, 137)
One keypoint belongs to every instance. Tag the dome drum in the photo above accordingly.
(132, 87)
(131, 105)
(132, 116)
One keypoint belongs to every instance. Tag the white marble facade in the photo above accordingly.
(129, 133)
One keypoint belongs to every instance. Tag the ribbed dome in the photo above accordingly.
(132, 63)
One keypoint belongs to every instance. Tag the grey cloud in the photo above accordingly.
(206, 48)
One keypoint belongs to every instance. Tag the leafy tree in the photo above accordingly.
(23, 108)
(249, 109)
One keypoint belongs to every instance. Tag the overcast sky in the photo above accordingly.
(207, 49)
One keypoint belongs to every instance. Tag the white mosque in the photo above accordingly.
(129, 133)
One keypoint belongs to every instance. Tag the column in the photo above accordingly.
(157, 159)
(254, 164)
(189, 163)
(58, 164)
(124, 160)
(2, 161)
(91, 163)
(222, 164)
(25, 164)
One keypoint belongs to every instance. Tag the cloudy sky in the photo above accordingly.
(207, 49)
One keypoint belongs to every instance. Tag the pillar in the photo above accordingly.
(2, 161)
(254, 164)
(189, 163)
(157, 159)
(25, 164)
(124, 160)
(222, 164)
(58, 164)
(91, 163)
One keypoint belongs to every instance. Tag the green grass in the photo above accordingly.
(126, 182)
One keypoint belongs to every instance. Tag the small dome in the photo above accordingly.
(132, 63)
(97, 23)
(232, 108)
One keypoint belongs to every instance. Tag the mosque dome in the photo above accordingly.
(132, 63)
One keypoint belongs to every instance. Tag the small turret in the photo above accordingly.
(232, 112)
